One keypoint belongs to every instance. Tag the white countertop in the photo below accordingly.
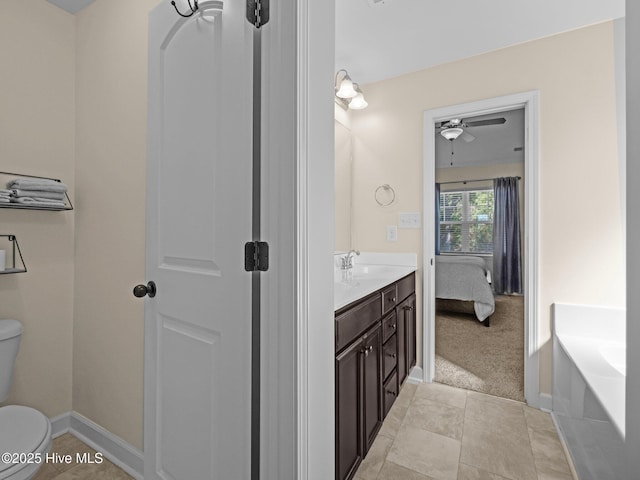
(371, 272)
(595, 339)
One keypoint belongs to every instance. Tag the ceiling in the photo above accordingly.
(395, 37)
(494, 144)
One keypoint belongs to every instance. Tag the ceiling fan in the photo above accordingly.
(453, 128)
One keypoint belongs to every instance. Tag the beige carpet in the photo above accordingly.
(472, 356)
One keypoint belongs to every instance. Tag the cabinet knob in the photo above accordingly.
(391, 392)
(393, 326)
(392, 355)
(408, 307)
(367, 350)
(142, 290)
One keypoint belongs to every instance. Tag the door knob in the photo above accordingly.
(142, 290)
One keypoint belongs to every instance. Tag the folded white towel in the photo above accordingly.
(34, 202)
(5, 192)
(38, 193)
(41, 184)
(48, 200)
(5, 200)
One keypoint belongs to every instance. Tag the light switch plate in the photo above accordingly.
(409, 220)
(392, 233)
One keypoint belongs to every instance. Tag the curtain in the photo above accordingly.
(507, 269)
(437, 219)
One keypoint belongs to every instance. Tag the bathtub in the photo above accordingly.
(589, 377)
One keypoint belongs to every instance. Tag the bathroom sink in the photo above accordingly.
(358, 273)
(363, 279)
(615, 354)
(373, 271)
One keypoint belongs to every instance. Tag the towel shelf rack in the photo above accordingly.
(15, 248)
(19, 206)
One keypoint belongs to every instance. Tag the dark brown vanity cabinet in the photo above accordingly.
(406, 312)
(375, 348)
(358, 400)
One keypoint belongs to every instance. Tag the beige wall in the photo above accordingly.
(581, 256)
(111, 100)
(37, 121)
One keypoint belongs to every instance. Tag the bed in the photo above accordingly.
(465, 278)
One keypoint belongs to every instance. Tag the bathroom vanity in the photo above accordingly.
(375, 344)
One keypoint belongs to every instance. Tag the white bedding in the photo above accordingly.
(465, 278)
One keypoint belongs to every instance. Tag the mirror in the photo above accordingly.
(343, 199)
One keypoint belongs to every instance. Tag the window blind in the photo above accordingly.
(466, 221)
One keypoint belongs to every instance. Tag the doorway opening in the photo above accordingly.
(465, 238)
(479, 332)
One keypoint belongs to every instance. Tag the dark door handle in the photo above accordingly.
(142, 290)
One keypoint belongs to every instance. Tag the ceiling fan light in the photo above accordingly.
(451, 133)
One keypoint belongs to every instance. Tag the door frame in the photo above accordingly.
(298, 354)
(530, 102)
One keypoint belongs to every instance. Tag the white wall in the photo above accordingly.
(633, 236)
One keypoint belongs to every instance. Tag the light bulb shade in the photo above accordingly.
(358, 102)
(345, 88)
(451, 133)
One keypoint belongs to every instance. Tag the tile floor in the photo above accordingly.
(433, 432)
(437, 432)
(67, 444)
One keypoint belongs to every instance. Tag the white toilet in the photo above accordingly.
(23, 430)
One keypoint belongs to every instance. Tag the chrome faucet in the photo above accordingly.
(347, 260)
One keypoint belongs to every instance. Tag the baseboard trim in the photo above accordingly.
(60, 424)
(545, 402)
(416, 375)
(116, 450)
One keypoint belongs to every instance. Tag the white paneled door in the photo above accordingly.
(197, 419)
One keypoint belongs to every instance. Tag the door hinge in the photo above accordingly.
(256, 256)
(258, 12)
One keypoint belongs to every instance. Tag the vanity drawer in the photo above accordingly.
(389, 326)
(406, 286)
(355, 320)
(390, 392)
(389, 298)
(389, 356)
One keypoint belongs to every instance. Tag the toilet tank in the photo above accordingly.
(10, 332)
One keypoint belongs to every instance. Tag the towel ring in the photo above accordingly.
(385, 195)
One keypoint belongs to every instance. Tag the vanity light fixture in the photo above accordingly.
(344, 88)
(347, 93)
(451, 133)
(358, 102)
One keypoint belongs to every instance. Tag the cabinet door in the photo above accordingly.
(406, 337)
(372, 385)
(349, 451)
(402, 342)
(410, 333)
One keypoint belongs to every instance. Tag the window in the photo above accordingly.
(466, 221)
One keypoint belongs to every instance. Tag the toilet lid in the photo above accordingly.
(22, 430)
